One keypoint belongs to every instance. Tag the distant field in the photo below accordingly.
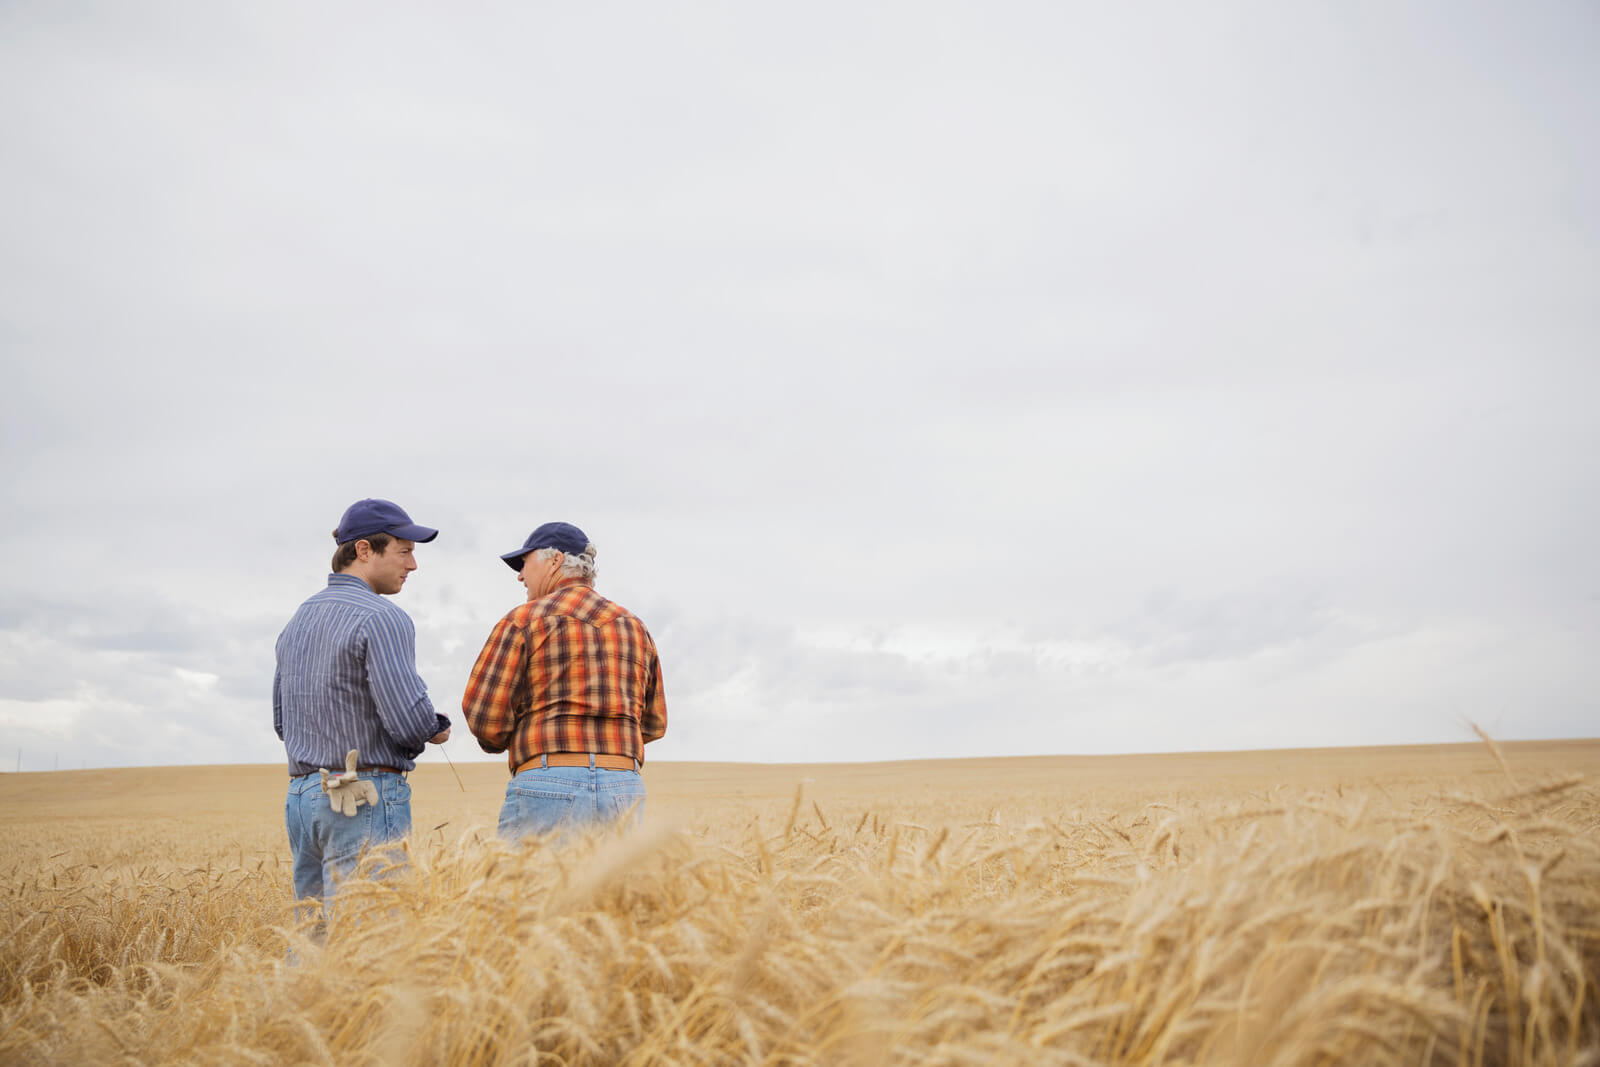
(1430, 904)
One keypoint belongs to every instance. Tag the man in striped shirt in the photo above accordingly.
(569, 686)
(347, 679)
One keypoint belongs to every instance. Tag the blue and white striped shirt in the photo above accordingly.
(347, 678)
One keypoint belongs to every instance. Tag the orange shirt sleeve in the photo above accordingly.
(489, 703)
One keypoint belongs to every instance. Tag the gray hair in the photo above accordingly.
(572, 566)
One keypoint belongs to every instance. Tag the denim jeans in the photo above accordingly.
(326, 845)
(542, 799)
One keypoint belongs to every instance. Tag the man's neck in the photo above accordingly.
(362, 578)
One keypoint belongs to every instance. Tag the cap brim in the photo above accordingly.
(419, 534)
(514, 559)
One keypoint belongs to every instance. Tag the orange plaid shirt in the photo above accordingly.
(569, 672)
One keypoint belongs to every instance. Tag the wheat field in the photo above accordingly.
(1427, 905)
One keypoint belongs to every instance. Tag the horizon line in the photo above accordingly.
(937, 759)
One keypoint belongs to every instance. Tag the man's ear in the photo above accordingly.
(364, 550)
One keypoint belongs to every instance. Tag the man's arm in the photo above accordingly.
(653, 724)
(397, 690)
(489, 704)
(277, 701)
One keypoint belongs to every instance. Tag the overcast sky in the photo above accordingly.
(934, 380)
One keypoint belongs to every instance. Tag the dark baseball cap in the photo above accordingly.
(372, 516)
(562, 536)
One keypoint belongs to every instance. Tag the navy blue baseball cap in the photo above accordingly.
(371, 516)
(562, 536)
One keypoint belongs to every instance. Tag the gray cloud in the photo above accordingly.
(1134, 376)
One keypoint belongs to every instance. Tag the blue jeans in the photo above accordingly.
(327, 845)
(542, 799)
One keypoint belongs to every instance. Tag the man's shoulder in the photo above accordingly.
(328, 598)
(578, 602)
(356, 600)
(519, 615)
(597, 610)
(386, 612)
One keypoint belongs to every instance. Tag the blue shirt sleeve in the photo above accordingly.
(277, 701)
(398, 692)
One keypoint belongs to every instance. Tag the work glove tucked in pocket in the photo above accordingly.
(345, 791)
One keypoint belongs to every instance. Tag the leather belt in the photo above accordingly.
(374, 769)
(604, 760)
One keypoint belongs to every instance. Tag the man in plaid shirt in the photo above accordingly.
(569, 687)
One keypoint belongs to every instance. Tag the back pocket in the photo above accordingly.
(534, 811)
(627, 806)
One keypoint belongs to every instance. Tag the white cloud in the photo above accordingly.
(201, 680)
(56, 719)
